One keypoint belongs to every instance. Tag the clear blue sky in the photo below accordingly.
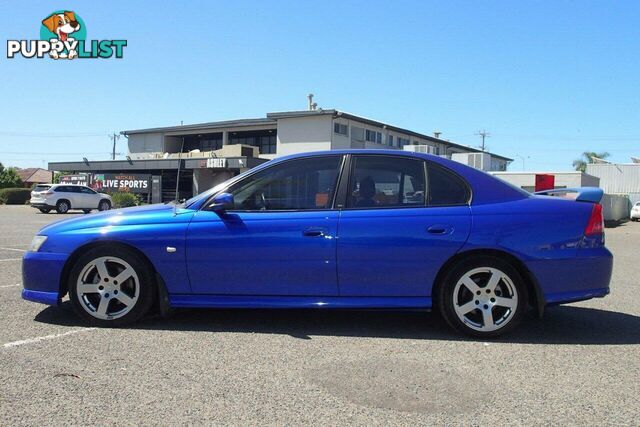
(548, 80)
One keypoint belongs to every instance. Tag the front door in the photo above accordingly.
(279, 238)
(398, 227)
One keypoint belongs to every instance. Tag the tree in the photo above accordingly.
(587, 158)
(9, 178)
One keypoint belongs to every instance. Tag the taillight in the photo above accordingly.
(48, 193)
(596, 221)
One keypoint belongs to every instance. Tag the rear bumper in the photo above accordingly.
(574, 279)
(41, 273)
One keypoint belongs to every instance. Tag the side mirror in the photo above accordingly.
(221, 202)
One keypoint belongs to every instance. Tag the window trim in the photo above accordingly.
(332, 207)
(349, 182)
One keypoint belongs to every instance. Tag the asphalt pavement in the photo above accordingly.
(580, 364)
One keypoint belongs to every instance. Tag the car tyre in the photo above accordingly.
(111, 286)
(62, 207)
(483, 296)
(104, 205)
(44, 210)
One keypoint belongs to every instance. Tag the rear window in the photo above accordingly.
(41, 187)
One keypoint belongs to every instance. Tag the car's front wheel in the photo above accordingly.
(483, 297)
(111, 286)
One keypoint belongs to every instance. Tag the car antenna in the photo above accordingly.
(175, 205)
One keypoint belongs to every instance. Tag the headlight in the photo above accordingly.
(36, 243)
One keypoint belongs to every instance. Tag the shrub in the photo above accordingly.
(124, 200)
(14, 196)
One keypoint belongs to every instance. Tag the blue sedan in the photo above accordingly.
(339, 229)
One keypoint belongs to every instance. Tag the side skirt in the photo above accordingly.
(257, 301)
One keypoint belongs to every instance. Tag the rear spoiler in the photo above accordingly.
(584, 194)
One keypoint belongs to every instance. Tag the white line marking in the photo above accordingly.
(44, 338)
(10, 259)
(10, 286)
(12, 249)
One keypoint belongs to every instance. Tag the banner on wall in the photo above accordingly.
(125, 183)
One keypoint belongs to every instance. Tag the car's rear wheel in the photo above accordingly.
(104, 205)
(62, 206)
(111, 286)
(44, 210)
(483, 297)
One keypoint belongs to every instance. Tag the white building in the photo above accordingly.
(240, 144)
(527, 180)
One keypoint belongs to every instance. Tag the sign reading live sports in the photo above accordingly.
(126, 183)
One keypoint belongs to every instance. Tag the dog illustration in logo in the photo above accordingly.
(62, 24)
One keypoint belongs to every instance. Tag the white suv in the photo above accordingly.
(635, 212)
(63, 197)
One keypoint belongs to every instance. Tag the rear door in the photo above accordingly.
(402, 220)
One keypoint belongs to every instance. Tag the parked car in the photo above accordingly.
(64, 197)
(635, 212)
(340, 229)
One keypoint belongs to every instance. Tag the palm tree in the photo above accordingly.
(587, 157)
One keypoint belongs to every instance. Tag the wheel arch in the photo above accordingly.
(536, 297)
(160, 294)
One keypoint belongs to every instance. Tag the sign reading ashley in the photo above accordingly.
(63, 36)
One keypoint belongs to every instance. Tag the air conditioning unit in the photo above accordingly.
(423, 148)
(480, 161)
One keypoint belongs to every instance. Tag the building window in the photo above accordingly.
(373, 136)
(341, 129)
(390, 140)
(268, 144)
(403, 141)
(210, 144)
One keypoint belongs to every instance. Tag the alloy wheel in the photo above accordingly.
(485, 299)
(108, 288)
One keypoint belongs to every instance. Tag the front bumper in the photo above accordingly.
(41, 274)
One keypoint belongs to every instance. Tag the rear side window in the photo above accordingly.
(446, 188)
(386, 181)
(62, 189)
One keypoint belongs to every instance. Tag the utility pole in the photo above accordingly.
(484, 134)
(114, 137)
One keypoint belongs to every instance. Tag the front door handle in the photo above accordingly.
(440, 229)
(314, 232)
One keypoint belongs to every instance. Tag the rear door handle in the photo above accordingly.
(314, 232)
(440, 229)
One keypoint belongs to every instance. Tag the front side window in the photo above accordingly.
(307, 184)
(383, 181)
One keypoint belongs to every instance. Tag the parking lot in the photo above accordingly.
(580, 364)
